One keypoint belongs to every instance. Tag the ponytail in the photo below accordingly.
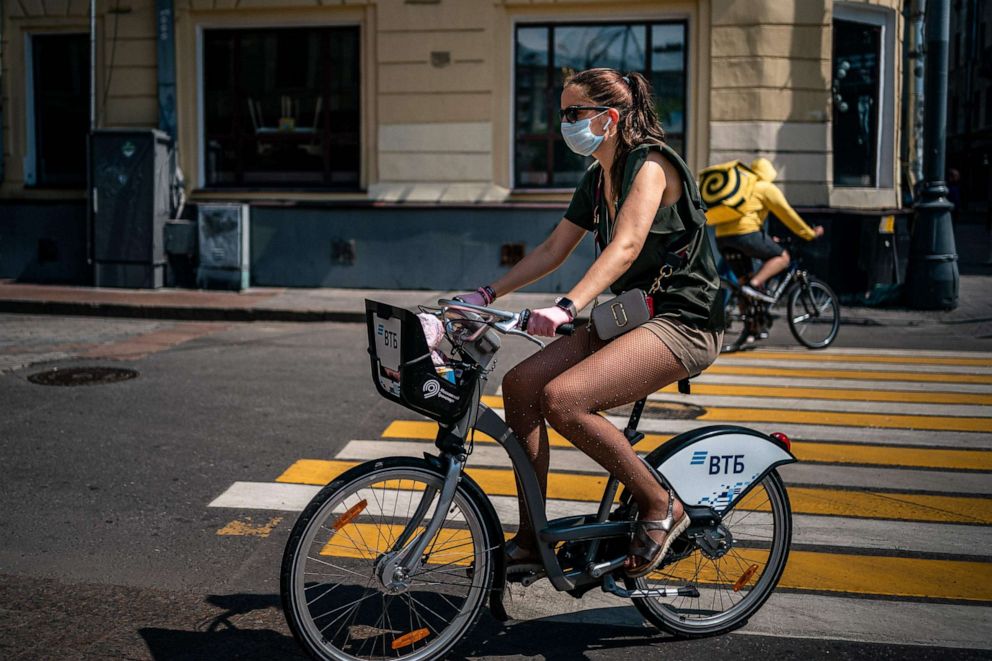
(639, 125)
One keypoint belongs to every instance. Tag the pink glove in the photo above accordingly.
(475, 298)
(545, 321)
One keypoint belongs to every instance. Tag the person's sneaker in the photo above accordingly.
(763, 335)
(756, 294)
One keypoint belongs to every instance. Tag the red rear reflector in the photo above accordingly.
(785, 439)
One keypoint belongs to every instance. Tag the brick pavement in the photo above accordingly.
(31, 339)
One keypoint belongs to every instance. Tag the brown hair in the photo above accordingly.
(631, 95)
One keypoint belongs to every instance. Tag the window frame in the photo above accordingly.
(29, 162)
(555, 22)
(201, 132)
(884, 19)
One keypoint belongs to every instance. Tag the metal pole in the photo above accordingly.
(933, 280)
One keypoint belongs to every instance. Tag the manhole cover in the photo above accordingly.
(82, 376)
(673, 410)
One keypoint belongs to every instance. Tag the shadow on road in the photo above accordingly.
(220, 638)
(236, 633)
(551, 638)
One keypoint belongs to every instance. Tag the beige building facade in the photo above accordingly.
(438, 94)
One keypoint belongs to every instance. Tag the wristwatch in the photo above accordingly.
(567, 305)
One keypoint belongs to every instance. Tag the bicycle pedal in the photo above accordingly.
(526, 575)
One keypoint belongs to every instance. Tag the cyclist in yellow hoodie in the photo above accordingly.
(745, 234)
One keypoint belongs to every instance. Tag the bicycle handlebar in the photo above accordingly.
(510, 323)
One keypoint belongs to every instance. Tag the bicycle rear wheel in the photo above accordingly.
(733, 583)
(814, 314)
(736, 320)
(338, 601)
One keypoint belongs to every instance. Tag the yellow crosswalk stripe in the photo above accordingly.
(834, 453)
(806, 570)
(859, 375)
(805, 500)
(903, 396)
(827, 357)
(829, 418)
(842, 419)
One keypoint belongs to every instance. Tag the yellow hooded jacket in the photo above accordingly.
(765, 197)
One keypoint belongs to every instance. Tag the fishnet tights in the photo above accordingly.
(567, 384)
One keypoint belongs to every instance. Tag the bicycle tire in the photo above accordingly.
(664, 615)
(485, 541)
(829, 299)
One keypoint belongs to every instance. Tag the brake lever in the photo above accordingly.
(509, 327)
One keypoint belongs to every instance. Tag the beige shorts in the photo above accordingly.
(696, 349)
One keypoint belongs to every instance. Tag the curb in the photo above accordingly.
(206, 313)
(178, 313)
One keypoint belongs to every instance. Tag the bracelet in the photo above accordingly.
(488, 294)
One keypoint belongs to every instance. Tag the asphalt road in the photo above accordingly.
(110, 549)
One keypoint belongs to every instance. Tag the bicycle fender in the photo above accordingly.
(716, 466)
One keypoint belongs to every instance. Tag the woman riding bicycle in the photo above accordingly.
(640, 199)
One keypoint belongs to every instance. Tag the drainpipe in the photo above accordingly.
(91, 199)
(1, 92)
(165, 29)
(911, 139)
(919, 71)
(932, 280)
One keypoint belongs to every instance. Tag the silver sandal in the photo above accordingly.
(643, 546)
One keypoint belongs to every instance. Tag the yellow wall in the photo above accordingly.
(758, 82)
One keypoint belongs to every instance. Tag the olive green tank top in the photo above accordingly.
(691, 292)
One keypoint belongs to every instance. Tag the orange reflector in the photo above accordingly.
(745, 577)
(349, 516)
(410, 638)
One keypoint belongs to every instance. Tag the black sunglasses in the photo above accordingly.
(571, 113)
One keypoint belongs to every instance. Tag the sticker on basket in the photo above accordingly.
(432, 388)
(387, 342)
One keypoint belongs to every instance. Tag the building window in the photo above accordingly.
(58, 83)
(281, 108)
(545, 53)
(856, 95)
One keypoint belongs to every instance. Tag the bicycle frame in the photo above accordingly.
(592, 528)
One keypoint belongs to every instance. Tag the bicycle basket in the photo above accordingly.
(403, 371)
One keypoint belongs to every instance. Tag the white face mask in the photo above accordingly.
(579, 136)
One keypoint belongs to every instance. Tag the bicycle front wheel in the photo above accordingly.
(339, 602)
(814, 314)
(733, 582)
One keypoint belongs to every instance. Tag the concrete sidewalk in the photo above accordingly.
(347, 305)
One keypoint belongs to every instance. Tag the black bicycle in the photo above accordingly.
(811, 305)
(397, 557)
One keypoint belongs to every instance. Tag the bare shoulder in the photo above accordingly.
(671, 179)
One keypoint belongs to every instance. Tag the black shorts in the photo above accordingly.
(755, 244)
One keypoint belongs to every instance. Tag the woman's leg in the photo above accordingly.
(522, 388)
(627, 369)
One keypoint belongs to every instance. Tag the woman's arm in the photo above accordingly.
(544, 259)
(632, 226)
